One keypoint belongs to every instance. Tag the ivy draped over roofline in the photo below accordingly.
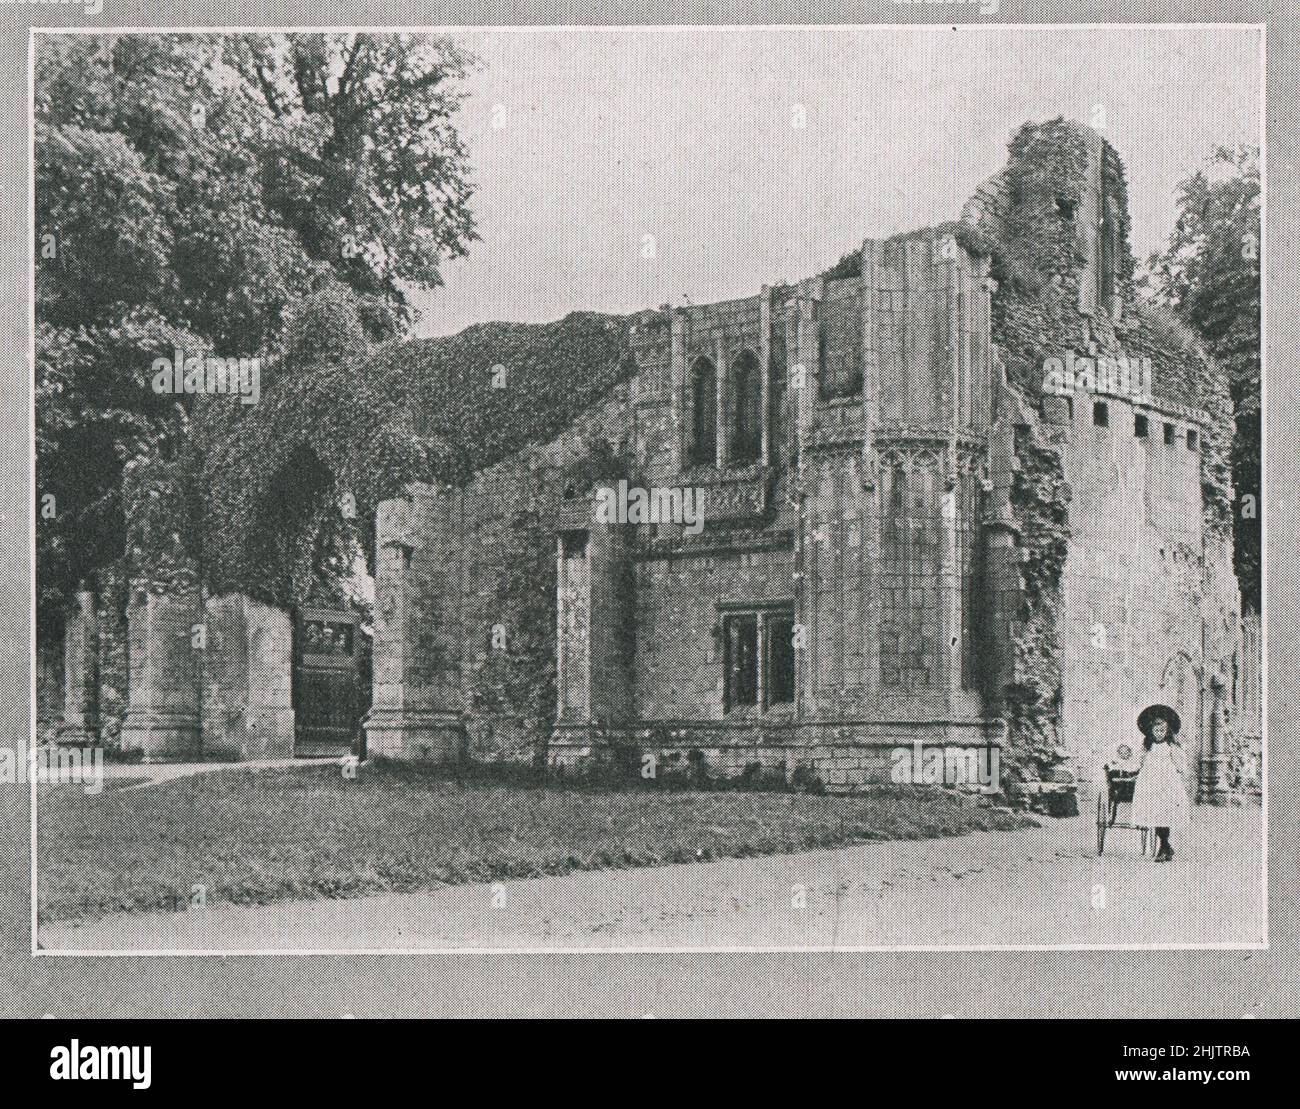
(255, 497)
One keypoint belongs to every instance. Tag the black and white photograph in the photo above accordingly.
(665, 491)
(483, 507)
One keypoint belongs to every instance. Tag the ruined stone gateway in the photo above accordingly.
(906, 538)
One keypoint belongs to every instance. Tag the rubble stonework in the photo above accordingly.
(1130, 596)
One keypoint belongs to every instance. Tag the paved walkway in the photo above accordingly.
(1040, 886)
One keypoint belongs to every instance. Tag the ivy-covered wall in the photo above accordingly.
(501, 535)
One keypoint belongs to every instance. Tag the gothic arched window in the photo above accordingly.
(704, 413)
(746, 409)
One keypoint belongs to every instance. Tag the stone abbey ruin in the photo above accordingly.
(907, 538)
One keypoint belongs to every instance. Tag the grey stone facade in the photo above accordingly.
(869, 514)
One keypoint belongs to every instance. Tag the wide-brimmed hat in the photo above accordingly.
(1152, 713)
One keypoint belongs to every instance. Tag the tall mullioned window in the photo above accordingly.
(910, 576)
(758, 658)
(746, 409)
(704, 413)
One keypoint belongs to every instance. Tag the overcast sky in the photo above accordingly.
(583, 143)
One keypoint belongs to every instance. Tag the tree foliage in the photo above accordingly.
(1209, 275)
(190, 189)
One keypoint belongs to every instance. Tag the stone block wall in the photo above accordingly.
(101, 682)
(462, 652)
(417, 707)
(1138, 619)
(841, 756)
(81, 672)
(677, 663)
(113, 670)
(206, 678)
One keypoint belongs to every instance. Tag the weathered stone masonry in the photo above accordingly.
(906, 539)
(876, 509)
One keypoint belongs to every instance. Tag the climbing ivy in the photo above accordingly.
(256, 494)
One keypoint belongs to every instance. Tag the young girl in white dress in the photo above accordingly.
(1160, 793)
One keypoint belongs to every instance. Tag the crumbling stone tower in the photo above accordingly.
(1111, 479)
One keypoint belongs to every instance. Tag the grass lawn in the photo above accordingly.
(302, 832)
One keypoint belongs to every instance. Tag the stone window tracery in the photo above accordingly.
(910, 568)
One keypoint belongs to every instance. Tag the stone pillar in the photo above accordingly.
(807, 352)
(1214, 764)
(994, 647)
(80, 724)
(417, 709)
(804, 352)
(680, 386)
(610, 631)
(950, 581)
(270, 716)
(722, 396)
(162, 717)
(951, 508)
(765, 372)
(573, 625)
(247, 680)
(872, 508)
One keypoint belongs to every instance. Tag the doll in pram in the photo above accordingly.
(1119, 775)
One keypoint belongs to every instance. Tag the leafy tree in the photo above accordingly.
(190, 190)
(1209, 274)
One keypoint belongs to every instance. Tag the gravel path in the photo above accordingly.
(1041, 886)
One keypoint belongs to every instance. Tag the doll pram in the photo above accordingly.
(1120, 773)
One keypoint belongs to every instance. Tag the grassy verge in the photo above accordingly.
(304, 832)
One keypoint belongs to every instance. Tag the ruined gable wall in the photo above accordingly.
(512, 514)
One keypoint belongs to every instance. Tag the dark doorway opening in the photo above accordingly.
(329, 693)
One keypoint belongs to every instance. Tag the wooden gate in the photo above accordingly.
(327, 698)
